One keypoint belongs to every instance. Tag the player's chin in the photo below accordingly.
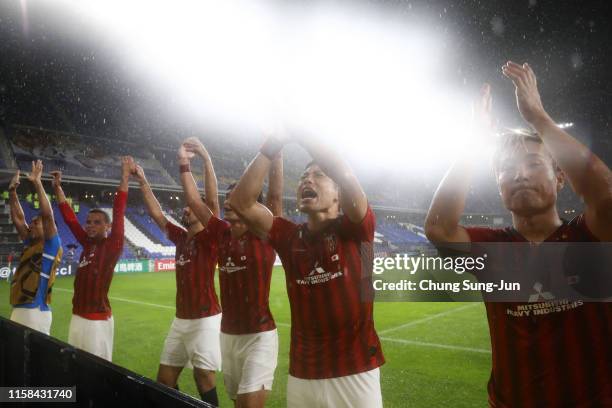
(526, 207)
(307, 207)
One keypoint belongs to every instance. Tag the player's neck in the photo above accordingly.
(238, 229)
(194, 229)
(537, 227)
(319, 220)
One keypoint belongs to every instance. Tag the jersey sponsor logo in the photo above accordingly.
(87, 259)
(231, 267)
(319, 275)
(542, 308)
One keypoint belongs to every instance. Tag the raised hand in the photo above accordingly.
(14, 181)
(127, 166)
(184, 154)
(528, 97)
(279, 131)
(482, 119)
(139, 173)
(36, 173)
(57, 179)
(276, 137)
(195, 146)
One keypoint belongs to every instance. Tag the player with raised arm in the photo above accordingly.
(249, 340)
(33, 280)
(335, 352)
(92, 325)
(194, 335)
(560, 358)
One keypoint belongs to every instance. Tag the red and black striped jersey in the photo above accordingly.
(560, 356)
(332, 325)
(97, 262)
(245, 271)
(196, 259)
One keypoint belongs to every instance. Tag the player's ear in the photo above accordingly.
(560, 175)
(496, 175)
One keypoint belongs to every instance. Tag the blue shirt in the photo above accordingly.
(50, 249)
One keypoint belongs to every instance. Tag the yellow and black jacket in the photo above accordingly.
(24, 283)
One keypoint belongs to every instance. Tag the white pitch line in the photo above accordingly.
(426, 319)
(436, 345)
(401, 341)
(136, 302)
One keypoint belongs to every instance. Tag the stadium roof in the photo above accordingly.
(79, 84)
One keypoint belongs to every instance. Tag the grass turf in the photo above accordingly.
(437, 353)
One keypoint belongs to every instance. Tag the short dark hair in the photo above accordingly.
(233, 185)
(511, 140)
(314, 163)
(101, 211)
(310, 163)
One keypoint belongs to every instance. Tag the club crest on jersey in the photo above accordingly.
(230, 266)
(182, 261)
(541, 308)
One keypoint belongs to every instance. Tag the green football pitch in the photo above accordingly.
(438, 354)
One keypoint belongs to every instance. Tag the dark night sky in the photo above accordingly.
(78, 84)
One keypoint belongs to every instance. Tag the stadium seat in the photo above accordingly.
(139, 239)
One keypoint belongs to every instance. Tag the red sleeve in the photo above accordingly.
(216, 227)
(73, 223)
(484, 234)
(362, 231)
(280, 233)
(117, 230)
(175, 233)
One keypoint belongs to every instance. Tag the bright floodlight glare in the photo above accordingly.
(354, 76)
(565, 125)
